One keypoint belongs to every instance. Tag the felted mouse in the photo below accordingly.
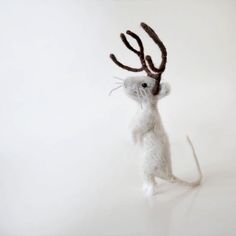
(148, 130)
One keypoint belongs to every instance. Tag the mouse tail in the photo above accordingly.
(199, 180)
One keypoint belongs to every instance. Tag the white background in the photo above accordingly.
(67, 163)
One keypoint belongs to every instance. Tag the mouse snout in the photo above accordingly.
(130, 87)
(128, 83)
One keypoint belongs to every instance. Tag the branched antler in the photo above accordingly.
(146, 61)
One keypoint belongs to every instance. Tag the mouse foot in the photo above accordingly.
(150, 189)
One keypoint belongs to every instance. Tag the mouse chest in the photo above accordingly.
(143, 119)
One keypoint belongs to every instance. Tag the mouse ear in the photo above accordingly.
(164, 90)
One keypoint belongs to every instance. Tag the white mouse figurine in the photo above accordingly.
(148, 130)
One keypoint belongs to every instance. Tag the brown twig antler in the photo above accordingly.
(146, 61)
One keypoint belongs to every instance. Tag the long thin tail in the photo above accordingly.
(199, 180)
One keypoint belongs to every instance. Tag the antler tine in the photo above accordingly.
(139, 41)
(151, 64)
(162, 47)
(113, 57)
(140, 53)
(128, 45)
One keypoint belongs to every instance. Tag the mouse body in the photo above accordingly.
(148, 130)
(149, 133)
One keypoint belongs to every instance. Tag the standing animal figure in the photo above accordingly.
(148, 130)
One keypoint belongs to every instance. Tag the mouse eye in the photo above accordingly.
(144, 85)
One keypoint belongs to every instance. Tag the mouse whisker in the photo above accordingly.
(115, 77)
(143, 92)
(119, 82)
(114, 89)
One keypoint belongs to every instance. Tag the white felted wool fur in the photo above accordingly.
(149, 133)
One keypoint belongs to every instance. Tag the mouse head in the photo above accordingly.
(140, 89)
(150, 86)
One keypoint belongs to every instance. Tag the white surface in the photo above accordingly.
(67, 164)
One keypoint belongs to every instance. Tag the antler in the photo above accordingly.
(146, 62)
